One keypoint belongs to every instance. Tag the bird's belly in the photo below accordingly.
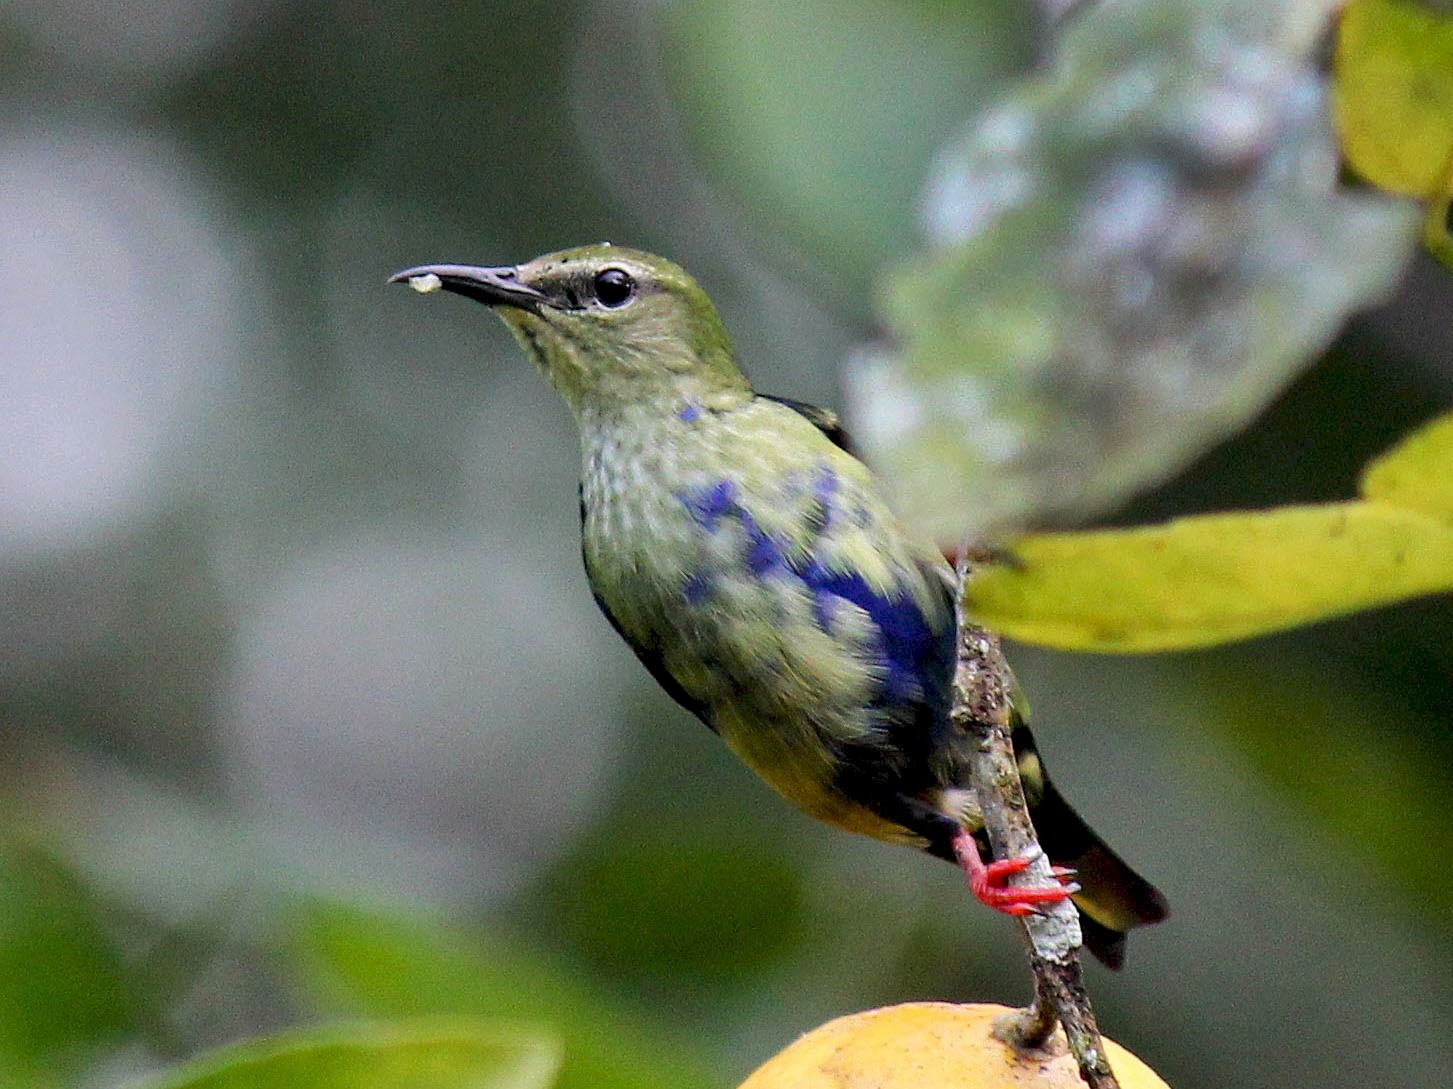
(801, 770)
(779, 617)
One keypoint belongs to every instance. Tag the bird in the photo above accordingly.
(753, 564)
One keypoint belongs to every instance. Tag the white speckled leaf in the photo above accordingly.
(1127, 259)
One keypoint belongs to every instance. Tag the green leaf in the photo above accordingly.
(652, 903)
(427, 1054)
(1198, 581)
(61, 985)
(358, 962)
(1129, 256)
(1393, 95)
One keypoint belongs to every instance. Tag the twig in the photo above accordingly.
(983, 691)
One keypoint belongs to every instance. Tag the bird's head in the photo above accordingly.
(606, 325)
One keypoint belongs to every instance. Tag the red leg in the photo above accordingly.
(987, 881)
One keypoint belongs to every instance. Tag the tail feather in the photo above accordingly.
(1113, 898)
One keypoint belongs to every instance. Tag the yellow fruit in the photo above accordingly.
(931, 1045)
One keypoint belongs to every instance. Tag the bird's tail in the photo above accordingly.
(1113, 898)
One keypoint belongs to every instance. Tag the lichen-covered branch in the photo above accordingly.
(983, 687)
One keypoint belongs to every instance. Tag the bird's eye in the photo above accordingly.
(614, 287)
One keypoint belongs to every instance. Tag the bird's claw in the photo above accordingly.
(987, 881)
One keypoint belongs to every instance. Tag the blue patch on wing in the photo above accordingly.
(915, 656)
(825, 493)
(710, 504)
(916, 653)
(698, 588)
(765, 553)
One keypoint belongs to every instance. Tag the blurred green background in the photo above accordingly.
(305, 709)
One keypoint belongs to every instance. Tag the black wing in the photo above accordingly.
(824, 419)
(650, 657)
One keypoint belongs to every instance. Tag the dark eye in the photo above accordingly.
(614, 287)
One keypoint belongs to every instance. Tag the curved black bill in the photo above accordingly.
(492, 286)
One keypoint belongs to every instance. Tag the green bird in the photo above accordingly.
(753, 565)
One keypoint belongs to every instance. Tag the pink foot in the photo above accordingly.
(987, 881)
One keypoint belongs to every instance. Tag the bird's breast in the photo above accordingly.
(761, 571)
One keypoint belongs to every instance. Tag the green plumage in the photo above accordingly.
(750, 561)
(786, 683)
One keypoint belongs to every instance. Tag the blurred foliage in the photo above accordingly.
(716, 911)
(63, 991)
(357, 962)
(1344, 782)
(832, 157)
(427, 1054)
(293, 613)
(1210, 579)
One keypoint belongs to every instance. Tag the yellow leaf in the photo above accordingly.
(1437, 238)
(1393, 95)
(1209, 579)
(1417, 473)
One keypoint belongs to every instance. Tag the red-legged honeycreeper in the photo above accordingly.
(753, 566)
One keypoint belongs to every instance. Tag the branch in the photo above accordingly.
(983, 691)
